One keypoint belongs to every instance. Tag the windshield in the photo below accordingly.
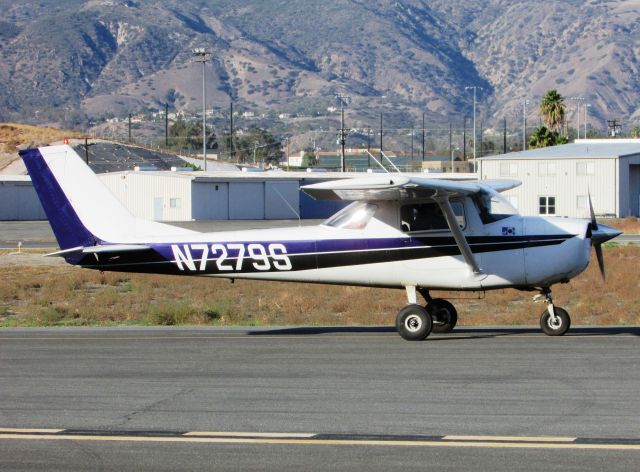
(355, 216)
(493, 207)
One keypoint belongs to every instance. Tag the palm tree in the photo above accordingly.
(552, 109)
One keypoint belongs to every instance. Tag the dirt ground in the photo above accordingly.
(41, 291)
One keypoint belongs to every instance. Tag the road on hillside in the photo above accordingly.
(318, 399)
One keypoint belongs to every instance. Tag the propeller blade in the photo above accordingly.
(594, 224)
(600, 256)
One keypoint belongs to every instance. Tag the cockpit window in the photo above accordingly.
(429, 217)
(355, 216)
(493, 207)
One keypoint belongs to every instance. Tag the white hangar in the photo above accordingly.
(557, 180)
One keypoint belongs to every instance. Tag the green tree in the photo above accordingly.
(635, 132)
(542, 137)
(185, 134)
(552, 110)
(309, 157)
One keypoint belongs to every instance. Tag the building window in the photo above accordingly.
(174, 202)
(547, 205)
(546, 169)
(585, 168)
(508, 169)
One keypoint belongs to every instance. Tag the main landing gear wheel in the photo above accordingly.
(555, 326)
(444, 314)
(414, 323)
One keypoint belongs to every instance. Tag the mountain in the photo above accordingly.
(66, 61)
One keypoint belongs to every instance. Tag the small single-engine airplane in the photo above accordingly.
(406, 232)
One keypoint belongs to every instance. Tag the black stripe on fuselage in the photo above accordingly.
(411, 248)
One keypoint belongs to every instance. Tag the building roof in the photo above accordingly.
(217, 176)
(581, 149)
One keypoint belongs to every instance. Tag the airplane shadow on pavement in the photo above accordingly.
(458, 333)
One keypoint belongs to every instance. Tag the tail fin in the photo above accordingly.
(80, 208)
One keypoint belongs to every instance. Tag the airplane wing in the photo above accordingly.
(408, 188)
(401, 188)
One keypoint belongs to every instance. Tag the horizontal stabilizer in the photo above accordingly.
(99, 249)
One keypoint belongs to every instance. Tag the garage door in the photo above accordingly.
(281, 200)
(246, 200)
(210, 201)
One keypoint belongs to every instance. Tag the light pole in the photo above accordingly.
(475, 89)
(578, 100)
(342, 136)
(586, 105)
(201, 55)
(525, 102)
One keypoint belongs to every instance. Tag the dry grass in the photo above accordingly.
(65, 295)
(13, 135)
(630, 224)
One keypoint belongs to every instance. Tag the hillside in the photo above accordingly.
(95, 59)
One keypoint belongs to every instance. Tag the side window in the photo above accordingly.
(429, 217)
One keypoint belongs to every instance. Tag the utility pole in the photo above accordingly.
(342, 132)
(475, 89)
(231, 133)
(368, 147)
(380, 136)
(525, 102)
(451, 146)
(201, 55)
(504, 135)
(422, 136)
(166, 125)
(412, 147)
(464, 138)
(129, 127)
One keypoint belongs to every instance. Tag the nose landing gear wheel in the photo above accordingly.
(445, 316)
(414, 323)
(558, 326)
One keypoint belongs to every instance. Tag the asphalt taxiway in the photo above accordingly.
(318, 399)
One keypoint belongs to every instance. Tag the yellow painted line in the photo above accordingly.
(29, 430)
(549, 439)
(236, 434)
(327, 442)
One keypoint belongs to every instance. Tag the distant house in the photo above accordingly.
(557, 180)
(248, 114)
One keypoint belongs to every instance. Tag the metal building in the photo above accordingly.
(18, 199)
(184, 196)
(557, 180)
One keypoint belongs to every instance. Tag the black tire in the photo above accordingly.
(414, 323)
(558, 329)
(444, 314)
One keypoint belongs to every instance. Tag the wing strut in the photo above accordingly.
(461, 241)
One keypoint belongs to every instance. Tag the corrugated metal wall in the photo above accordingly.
(19, 201)
(152, 196)
(567, 184)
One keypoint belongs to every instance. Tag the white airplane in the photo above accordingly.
(414, 233)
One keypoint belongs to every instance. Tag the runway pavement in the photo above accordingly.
(318, 399)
